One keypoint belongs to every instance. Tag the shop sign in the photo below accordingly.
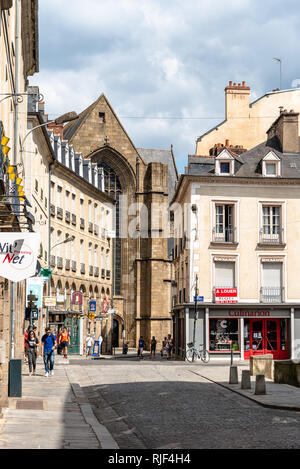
(18, 255)
(77, 298)
(60, 298)
(50, 301)
(252, 314)
(34, 286)
(226, 295)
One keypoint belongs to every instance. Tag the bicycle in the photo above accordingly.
(193, 353)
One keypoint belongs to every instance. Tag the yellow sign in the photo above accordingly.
(92, 316)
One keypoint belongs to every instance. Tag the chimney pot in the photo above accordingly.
(230, 83)
(244, 83)
(234, 84)
(227, 143)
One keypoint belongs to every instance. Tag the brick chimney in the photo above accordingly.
(285, 128)
(237, 100)
(58, 129)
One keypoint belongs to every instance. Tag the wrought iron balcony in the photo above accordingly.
(68, 264)
(73, 219)
(96, 271)
(228, 235)
(272, 294)
(274, 239)
(82, 268)
(59, 213)
(90, 227)
(74, 266)
(82, 223)
(59, 262)
(91, 270)
(67, 216)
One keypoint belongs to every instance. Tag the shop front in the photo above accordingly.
(246, 330)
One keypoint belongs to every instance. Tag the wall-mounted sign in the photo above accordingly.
(226, 295)
(77, 298)
(50, 301)
(34, 286)
(60, 298)
(18, 255)
(92, 306)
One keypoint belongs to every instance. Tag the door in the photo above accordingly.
(115, 333)
(267, 336)
(72, 324)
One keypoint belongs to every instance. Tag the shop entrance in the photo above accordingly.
(264, 336)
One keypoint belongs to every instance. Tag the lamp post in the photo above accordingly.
(195, 316)
(280, 68)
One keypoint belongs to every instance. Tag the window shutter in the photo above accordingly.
(224, 274)
(272, 274)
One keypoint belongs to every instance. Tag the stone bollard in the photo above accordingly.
(246, 381)
(233, 375)
(260, 385)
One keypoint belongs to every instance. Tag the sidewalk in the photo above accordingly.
(53, 413)
(279, 396)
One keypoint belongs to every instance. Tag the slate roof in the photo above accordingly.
(162, 156)
(71, 128)
(249, 163)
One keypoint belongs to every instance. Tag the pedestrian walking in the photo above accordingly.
(169, 347)
(48, 347)
(64, 340)
(32, 351)
(163, 347)
(141, 347)
(25, 346)
(153, 347)
(88, 345)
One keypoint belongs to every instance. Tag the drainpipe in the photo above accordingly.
(15, 158)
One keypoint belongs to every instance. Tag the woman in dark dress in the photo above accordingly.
(31, 348)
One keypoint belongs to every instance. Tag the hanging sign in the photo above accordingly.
(77, 298)
(18, 255)
(34, 286)
(92, 306)
(50, 301)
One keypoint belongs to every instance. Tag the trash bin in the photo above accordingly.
(15, 378)
(125, 349)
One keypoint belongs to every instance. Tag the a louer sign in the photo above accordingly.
(18, 255)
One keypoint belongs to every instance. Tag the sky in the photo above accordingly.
(164, 64)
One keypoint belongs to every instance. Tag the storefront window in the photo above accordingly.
(246, 334)
(283, 334)
(221, 332)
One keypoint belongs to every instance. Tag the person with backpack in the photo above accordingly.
(48, 347)
(64, 340)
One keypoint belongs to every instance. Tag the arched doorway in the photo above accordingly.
(115, 334)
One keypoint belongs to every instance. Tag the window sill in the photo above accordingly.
(224, 243)
(272, 245)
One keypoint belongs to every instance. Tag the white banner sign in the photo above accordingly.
(18, 255)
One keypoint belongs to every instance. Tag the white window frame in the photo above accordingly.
(272, 203)
(271, 158)
(224, 157)
(274, 259)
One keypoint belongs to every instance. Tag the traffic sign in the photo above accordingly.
(92, 306)
(92, 316)
(200, 298)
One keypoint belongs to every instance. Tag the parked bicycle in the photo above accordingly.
(193, 353)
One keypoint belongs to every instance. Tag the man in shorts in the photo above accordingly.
(64, 340)
(141, 347)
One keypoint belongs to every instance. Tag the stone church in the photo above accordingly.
(134, 177)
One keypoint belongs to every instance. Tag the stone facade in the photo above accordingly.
(142, 296)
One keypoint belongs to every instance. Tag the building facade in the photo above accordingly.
(140, 180)
(246, 123)
(19, 60)
(236, 227)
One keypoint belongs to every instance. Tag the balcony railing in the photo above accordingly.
(90, 227)
(96, 230)
(59, 213)
(82, 268)
(271, 238)
(67, 216)
(103, 273)
(108, 274)
(59, 262)
(74, 266)
(91, 270)
(272, 294)
(52, 261)
(228, 235)
(96, 271)
(68, 264)
(52, 210)
(73, 219)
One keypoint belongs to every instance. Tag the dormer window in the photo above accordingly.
(224, 168)
(224, 164)
(271, 165)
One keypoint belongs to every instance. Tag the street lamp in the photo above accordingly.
(67, 240)
(280, 62)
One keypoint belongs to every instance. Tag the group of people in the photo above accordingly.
(166, 349)
(48, 345)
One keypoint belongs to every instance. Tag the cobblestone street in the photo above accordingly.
(146, 404)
